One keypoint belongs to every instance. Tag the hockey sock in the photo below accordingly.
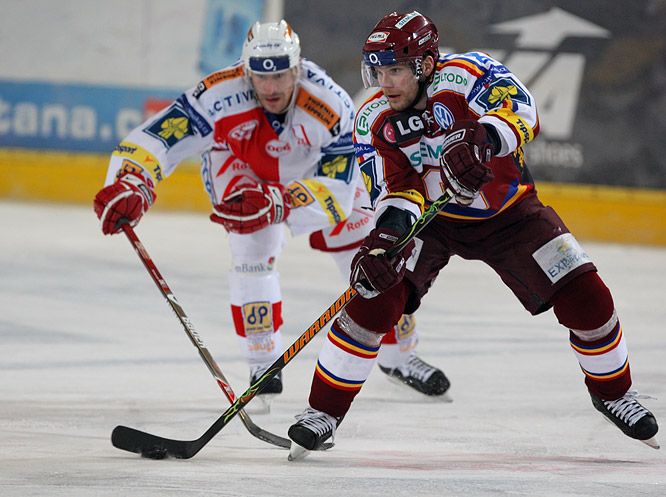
(398, 343)
(586, 307)
(256, 308)
(342, 367)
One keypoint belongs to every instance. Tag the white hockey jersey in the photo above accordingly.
(312, 155)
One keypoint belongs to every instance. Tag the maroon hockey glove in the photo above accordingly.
(371, 271)
(465, 152)
(124, 201)
(252, 207)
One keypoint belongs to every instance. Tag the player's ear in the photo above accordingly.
(428, 66)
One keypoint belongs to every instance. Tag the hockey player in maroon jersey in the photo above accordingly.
(457, 123)
(274, 131)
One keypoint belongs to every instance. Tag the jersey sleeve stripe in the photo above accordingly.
(469, 67)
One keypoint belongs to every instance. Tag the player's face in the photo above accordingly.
(274, 91)
(399, 85)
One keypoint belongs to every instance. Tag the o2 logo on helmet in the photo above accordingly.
(373, 58)
(244, 130)
(443, 115)
(269, 64)
(378, 37)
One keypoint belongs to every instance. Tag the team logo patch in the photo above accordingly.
(504, 89)
(244, 130)
(370, 178)
(128, 166)
(300, 196)
(336, 167)
(443, 115)
(405, 327)
(560, 256)
(171, 127)
(257, 317)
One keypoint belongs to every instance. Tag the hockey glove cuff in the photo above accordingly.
(250, 208)
(124, 201)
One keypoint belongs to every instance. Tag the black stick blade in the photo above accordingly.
(152, 446)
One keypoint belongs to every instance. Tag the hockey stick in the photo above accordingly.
(156, 447)
(196, 340)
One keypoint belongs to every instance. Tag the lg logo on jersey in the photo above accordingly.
(401, 128)
(413, 124)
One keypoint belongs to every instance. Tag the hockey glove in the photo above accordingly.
(124, 201)
(465, 152)
(252, 207)
(371, 271)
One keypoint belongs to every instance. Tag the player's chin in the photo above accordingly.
(273, 104)
(397, 104)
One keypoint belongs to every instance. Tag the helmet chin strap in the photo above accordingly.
(423, 83)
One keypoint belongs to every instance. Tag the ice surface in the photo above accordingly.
(88, 342)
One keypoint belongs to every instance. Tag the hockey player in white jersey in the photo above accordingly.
(274, 131)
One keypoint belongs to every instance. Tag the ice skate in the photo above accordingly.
(310, 432)
(630, 416)
(420, 376)
(264, 399)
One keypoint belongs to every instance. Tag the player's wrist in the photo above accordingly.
(138, 184)
(493, 138)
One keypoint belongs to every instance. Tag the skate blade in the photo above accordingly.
(650, 442)
(297, 453)
(260, 405)
(444, 398)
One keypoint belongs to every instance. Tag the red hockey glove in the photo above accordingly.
(371, 271)
(124, 201)
(465, 151)
(252, 207)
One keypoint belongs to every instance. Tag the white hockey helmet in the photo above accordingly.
(271, 47)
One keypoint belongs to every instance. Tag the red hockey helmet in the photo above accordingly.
(399, 38)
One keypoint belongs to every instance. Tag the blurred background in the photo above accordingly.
(76, 76)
